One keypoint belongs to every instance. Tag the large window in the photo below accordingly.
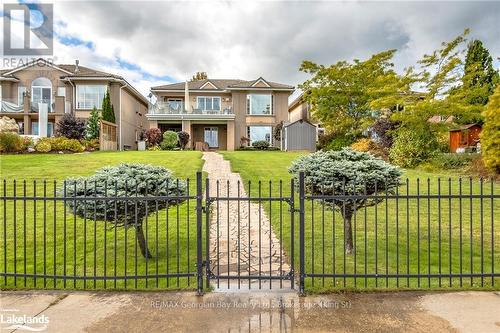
(258, 133)
(260, 104)
(90, 96)
(208, 103)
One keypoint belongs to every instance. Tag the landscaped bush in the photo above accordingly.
(26, 142)
(10, 142)
(64, 144)
(71, 127)
(382, 131)
(154, 148)
(453, 161)
(131, 180)
(346, 172)
(90, 145)
(43, 146)
(153, 136)
(183, 139)
(413, 146)
(261, 144)
(334, 141)
(169, 140)
(369, 146)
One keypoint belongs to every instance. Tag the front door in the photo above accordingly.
(212, 136)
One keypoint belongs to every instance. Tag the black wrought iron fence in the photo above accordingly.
(425, 234)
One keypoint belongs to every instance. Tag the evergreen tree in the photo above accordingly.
(480, 78)
(93, 124)
(490, 136)
(108, 112)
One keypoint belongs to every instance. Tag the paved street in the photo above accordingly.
(258, 311)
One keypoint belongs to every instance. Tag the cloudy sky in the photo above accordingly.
(152, 43)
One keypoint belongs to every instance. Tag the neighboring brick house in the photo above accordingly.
(70, 88)
(222, 113)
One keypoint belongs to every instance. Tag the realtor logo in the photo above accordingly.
(28, 29)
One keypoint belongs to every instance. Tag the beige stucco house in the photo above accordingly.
(221, 113)
(69, 88)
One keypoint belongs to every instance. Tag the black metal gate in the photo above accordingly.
(245, 234)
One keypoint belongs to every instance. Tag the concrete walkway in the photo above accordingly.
(252, 312)
(240, 232)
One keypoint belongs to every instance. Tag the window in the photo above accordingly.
(61, 91)
(258, 133)
(90, 96)
(34, 129)
(260, 104)
(208, 103)
(21, 91)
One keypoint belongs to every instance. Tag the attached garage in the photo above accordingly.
(299, 135)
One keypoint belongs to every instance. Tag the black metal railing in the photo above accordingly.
(423, 235)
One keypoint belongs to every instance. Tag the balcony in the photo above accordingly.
(12, 105)
(177, 110)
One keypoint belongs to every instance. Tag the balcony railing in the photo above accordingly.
(178, 108)
(11, 105)
(34, 105)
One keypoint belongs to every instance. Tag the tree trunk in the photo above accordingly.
(349, 247)
(142, 242)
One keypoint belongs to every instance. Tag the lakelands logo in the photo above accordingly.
(10, 319)
(28, 29)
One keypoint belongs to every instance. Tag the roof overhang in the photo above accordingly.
(11, 79)
(262, 89)
(190, 90)
(36, 62)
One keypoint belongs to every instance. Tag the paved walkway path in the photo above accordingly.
(247, 222)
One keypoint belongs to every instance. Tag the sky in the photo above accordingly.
(153, 43)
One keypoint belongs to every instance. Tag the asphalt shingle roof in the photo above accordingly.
(220, 84)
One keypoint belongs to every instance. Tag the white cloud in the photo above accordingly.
(250, 39)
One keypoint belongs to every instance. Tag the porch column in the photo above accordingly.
(153, 123)
(186, 127)
(230, 135)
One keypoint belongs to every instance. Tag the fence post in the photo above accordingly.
(199, 221)
(301, 232)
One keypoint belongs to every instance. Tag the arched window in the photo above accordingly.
(41, 92)
(41, 82)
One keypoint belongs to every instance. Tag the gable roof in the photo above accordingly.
(223, 84)
(68, 72)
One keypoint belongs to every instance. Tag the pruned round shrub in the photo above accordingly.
(153, 136)
(124, 180)
(10, 142)
(169, 140)
(90, 145)
(183, 139)
(346, 172)
(261, 144)
(43, 146)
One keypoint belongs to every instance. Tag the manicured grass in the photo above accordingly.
(395, 237)
(42, 236)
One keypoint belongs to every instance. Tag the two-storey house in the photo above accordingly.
(225, 114)
(41, 92)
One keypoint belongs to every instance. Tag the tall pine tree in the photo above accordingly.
(108, 112)
(480, 78)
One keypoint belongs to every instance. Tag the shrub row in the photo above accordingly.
(12, 143)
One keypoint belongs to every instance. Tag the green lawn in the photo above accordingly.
(413, 226)
(62, 244)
